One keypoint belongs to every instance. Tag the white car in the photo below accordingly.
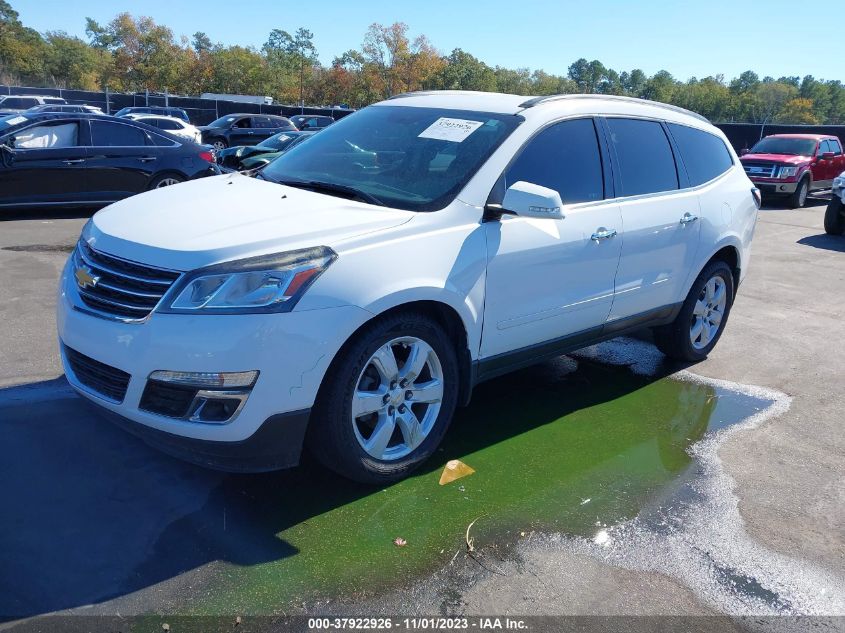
(352, 294)
(170, 124)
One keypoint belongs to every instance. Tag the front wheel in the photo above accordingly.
(834, 218)
(219, 145)
(799, 197)
(694, 332)
(387, 400)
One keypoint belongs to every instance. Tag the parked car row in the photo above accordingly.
(66, 158)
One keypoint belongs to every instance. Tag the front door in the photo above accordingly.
(48, 165)
(548, 279)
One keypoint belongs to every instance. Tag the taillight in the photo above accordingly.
(758, 198)
(207, 157)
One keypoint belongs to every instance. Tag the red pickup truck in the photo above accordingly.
(794, 165)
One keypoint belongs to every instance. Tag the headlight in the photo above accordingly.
(787, 172)
(268, 283)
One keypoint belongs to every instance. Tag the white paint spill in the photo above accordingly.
(703, 544)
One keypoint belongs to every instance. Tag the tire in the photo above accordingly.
(165, 180)
(350, 445)
(834, 218)
(219, 144)
(799, 197)
(678, 340)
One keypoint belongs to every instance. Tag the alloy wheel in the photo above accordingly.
(166, 182)
(708, 312)
(397, 398)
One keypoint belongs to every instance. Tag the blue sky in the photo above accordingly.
(686, 38)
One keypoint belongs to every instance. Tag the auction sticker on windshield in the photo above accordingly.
(454, 130)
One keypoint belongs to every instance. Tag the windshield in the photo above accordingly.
(277, 141)
(224, 121)
(781, 145)
(409, 158)
(10, 121)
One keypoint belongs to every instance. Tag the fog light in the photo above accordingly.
(217, 407)
(207, 380)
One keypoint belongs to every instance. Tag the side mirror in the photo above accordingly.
(528, 200)
(744, 151)
(826, 156)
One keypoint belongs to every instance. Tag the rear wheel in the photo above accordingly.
(799, 197)
(701, 321)
(834, 217)
(387, 400)
(166, 180)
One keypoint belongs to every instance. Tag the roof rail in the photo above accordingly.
(423, 93)
(530, 103)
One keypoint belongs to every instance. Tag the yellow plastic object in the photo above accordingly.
(454, 469)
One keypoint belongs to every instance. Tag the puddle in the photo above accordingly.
(569, 446)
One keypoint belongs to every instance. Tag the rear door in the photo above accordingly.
(661, 218)
(49, 165)
(123, 159)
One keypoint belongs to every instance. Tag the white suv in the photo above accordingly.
(351, 295)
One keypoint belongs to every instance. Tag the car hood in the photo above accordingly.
(786, 159)
(221, 218)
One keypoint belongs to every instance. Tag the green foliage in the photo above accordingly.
(135, 53)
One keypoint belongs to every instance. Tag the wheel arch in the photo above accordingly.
(730, 254)
(446, 315)
(167, 172)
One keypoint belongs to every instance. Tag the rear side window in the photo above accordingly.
(705, 155)
(646, 163)
(564, 157)
(164, 124)
(107, 134)
(53, 100)
(835, 147)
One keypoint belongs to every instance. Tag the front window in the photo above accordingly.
(788, 146)
(405, 157)
(223, 121)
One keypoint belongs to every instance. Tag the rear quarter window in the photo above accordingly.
(704, 154)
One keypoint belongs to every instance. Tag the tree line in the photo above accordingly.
(136, 53)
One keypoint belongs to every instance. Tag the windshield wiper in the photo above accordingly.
(333, 188)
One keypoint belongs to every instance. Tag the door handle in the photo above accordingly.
(73, 161)
(147, 159)
(603, 234)
(688, 218)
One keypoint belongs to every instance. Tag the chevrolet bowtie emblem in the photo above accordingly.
(84, 278)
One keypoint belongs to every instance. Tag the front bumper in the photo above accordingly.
(277, 444)
(775, 187)
(291, 351)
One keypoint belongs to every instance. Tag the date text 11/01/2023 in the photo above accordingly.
(418, 623)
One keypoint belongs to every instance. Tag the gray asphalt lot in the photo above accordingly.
(785, 333)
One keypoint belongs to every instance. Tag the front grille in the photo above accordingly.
(100, 378)
(171, 400)
(117, 287)
(760, 170)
